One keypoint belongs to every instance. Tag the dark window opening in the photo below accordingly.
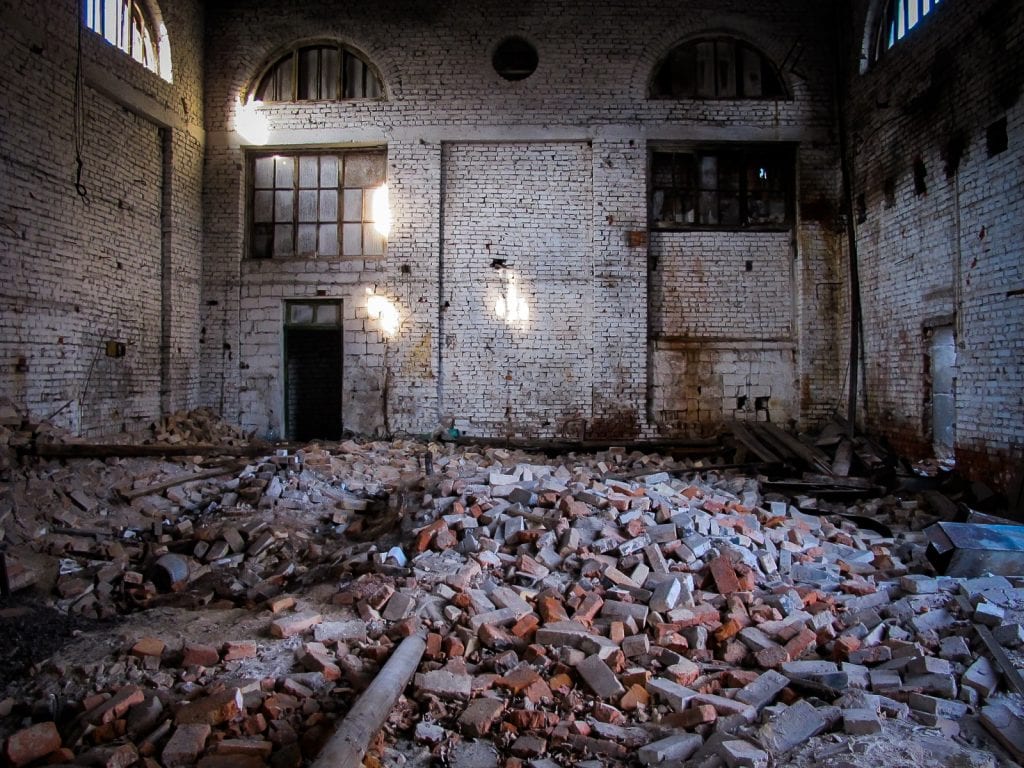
(318, 205)
(515, 59)
(920, 174)
(995, 137)
(889, 191)
(723, 188)
(319, 73)
(716, 68)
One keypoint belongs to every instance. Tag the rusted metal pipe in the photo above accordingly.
(348, 745)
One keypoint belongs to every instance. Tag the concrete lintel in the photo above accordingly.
(137, 102)
(745, 133)
(676, 344)
(302, 137)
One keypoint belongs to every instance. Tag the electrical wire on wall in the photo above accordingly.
(79, 114)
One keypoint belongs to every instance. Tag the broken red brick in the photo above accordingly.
(802, 643)
(725, 577)
(30, 744)
(116, 706)
(480, 715)
(148, 646)
(212, 710)
(526, 626)
(196, 655)
(295, 624)
(634, 698)
(234, 650)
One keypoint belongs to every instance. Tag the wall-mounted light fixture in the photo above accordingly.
(380, 209)
(510, 305)
(384, 312)
(250, 123)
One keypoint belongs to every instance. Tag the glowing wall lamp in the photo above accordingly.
(384, 312)
(251, 124)
(510, 306)
(380, 209)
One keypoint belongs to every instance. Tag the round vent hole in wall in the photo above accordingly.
(515, 59)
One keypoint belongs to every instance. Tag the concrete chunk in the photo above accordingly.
(762, 691)
(791, 727)
(860, 722)
(981, 676)
(742, 754)
(599, 677)
(676, 747)
(669, 691)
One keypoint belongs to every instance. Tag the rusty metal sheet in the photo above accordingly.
(967, 549)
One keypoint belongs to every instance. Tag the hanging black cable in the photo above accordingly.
(79, 116)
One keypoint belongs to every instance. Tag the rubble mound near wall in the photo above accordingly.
(608, 609)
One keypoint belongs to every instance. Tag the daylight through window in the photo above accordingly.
(898, 18)
(316, 205)
(128, 25)
(326, 72)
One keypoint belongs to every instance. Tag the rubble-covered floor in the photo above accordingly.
(612, 609)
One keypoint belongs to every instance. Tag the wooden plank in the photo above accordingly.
(179, 480)
(844, 455)
(838, 482)
(744, 436)
(1013, 679)
(813, 457)
(103, 451)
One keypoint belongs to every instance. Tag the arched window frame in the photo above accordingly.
(356, 77)
(720, 82)
(134, 27)
(894, 21)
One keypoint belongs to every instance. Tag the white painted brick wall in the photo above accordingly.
(78, 274)
(956, 249)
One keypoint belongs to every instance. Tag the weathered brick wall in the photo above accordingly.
(518, 338)
(121, 263)
(947, 248)
(585, 363)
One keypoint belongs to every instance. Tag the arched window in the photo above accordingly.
(716, 68)
(321, 72)
(131, 26)
(896, 20)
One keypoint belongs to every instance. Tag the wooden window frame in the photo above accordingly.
(684, 201)
(353, 77)
(263, 232)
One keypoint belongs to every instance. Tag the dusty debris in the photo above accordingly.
(620, 607)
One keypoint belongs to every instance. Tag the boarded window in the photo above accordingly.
(716, 68)
(328, 72)
(718, 187)
(316, 205)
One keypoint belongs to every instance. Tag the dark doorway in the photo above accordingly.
(312, 356)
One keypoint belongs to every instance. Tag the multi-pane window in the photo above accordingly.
(127, 25)
(716, 68)
(317, 205)
(897, 19)
(718, 187)
(319, 73)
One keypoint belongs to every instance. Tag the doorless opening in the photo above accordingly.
(312, 364)
(942, 354)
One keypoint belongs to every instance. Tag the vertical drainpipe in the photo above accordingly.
(840, 82)
(440, 290)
